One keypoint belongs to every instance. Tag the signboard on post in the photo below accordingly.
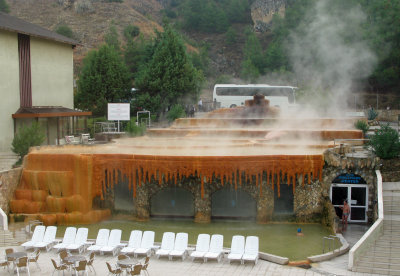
(119, 112)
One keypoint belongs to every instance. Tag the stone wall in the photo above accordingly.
(355, 160)
(390, 170)
(9, 181)
(202, 206)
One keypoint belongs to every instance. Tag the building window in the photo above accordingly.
(25, 86)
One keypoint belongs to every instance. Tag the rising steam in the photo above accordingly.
(329, 55)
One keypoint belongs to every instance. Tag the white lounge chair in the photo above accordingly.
(167, 244)
(237, 248)
(114, 242)
(69, 238)
(134, 242)
(202, 246)
(216, 250)
(101, 240)
(37, 236)
(180, 246)
(80, 240)
(48, 238)
(251, 250)
(146, 244)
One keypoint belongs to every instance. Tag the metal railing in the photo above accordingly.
(330, 241)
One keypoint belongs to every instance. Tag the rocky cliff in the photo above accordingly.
(262, 12)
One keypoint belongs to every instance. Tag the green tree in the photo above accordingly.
(138, 53)
(65, 31)
(253, 64)
(131, 31)
(169, 76)
(27, 137)
(4, 6)
(104, 79)
(385, 142)
(111, 38)
(230, 36)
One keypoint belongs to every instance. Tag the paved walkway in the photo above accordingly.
(337, 266)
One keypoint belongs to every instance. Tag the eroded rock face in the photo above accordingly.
(262, 12)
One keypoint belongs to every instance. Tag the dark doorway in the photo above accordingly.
(233, 204)
(123, 196)
(172, 202)
(284, 203)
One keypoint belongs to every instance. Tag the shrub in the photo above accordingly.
(135, 130)
(4, 6)
(177, 111)
(362, 125)
(65, 31)
(27, 137)
(385, 143)
(372, 114)
(131, 31)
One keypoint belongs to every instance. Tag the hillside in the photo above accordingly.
(89, 27)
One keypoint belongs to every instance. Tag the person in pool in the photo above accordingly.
(299, 233)
(346, 212)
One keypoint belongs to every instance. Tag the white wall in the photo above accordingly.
(9, 86)
(52, 73)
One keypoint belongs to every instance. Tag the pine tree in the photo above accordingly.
(169, 75)
(104, 79)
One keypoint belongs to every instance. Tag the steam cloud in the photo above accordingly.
(329, 54)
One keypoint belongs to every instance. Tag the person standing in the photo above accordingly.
(200, 105)
(346, 213)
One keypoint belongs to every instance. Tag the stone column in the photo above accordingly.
(142, 203)
(265, 205)
(202, 206)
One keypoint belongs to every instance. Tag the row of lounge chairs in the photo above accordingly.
(142, 243)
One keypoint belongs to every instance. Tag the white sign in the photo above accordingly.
(119, 112)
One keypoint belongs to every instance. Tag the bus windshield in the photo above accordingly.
(272, 91)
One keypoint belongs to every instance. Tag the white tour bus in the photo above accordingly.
(232, 95)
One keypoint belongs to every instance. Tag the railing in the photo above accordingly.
(330, 241)
(373, 232)
(3, 220)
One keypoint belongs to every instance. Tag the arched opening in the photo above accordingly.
(172, 202)
(233, 204)
(123, 196)
(354, 189)
(283, 204)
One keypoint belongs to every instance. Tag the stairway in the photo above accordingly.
(7, 239)
(7, 160)
(383, 257)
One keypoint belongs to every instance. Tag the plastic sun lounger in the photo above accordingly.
(202, 246)
(48, 239)
(80, 240)
(134, 242)
(251, 250)
(167, 245)
(146, 244)
(114, 242)
(69, 238)
(216, 250)
(101, 240)
(180, 247)
(37, 236)
(237, 248)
